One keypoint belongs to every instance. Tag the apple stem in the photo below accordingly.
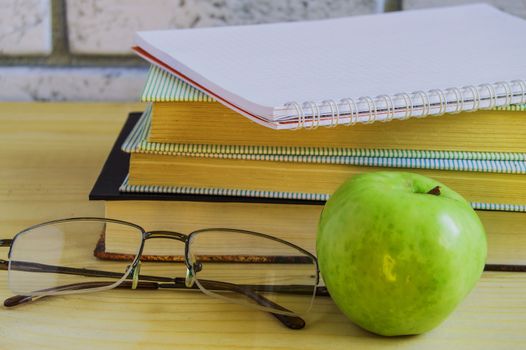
(434, 191)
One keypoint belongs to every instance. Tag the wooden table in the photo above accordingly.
(50, 155)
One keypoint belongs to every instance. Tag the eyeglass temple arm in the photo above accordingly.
(292, 322)
(22, 299)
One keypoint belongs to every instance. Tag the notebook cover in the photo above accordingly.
(242, 55)
(162, 86)
(115, 171)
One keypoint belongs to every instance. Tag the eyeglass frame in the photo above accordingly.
(288, 318)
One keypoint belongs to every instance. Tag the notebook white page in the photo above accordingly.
(258, 69)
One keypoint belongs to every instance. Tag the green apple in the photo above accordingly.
(399, 251)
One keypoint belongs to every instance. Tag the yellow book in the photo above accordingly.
(296, 223)
(296, 177)
(208, 123)
(293, 220)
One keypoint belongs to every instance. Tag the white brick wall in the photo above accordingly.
(80, 84)
(25, 27)
(90, 31)
(91, 21)
(95, 29)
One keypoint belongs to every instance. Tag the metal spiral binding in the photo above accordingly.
(419, 104)
(507, 87)
(408, 103)
(442, 101)
(476, 97)
(335, 112)
(522, 85)
(492, 94)
(371, 105)
(389, 105)
(459, 99)
(353, 111)
(426, 105)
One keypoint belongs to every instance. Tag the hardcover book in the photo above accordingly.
(292, 220)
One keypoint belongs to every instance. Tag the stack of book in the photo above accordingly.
(208, 150)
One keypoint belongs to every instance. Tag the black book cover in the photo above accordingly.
(116, 167)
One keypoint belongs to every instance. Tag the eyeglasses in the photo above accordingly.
(244, 267)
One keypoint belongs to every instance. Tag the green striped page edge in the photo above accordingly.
(162, 86)
(513, 163)
(126, 187)
(137, 142)
(512, 108)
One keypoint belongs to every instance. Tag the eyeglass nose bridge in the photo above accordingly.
(192, 267)
(166, 234)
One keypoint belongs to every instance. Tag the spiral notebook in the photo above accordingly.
(183, 119)
(352, 70)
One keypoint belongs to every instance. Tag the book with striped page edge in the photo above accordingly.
(126, 187)
(498, 162)
(183, 119)
(193, 193)
(295, 219)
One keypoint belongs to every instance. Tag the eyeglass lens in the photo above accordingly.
(281, 273)
(58, 258)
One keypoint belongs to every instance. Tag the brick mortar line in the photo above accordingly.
(74, 61)
(59, 28)
(393, 5)
(61, 55)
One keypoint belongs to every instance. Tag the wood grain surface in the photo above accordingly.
(50, 155)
